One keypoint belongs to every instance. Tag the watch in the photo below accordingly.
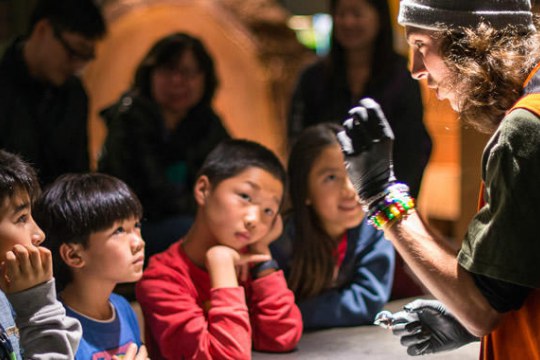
(265, 265)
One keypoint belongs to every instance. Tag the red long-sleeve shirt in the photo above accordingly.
(185, 318)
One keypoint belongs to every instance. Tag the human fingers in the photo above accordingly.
(252, 258)
(34, 257)
(10, 268)
(275, 230)
(23, 259)
(130, 354)
(261, 246)
(46, 261)
(142, 354)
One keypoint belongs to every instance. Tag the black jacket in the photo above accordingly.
(159, 165)
(46, 125)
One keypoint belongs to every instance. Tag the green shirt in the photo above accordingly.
(502, 241)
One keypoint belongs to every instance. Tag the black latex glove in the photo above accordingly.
(367, 144)
(434, 330)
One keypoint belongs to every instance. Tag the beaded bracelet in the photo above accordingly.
(396, 204)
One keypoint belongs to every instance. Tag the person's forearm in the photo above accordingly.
(220, 266)
(434, 261)
(275, 318)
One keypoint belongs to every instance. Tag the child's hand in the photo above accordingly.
(131, 353)
(222, 261)
(25, 267)
(262, 245)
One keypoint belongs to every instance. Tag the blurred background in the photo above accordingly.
(260, 46)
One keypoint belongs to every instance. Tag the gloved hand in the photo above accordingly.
(367, 143)
(435, 329)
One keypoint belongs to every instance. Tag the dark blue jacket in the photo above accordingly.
(364, 281)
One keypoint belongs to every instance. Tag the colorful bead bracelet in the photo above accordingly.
(396, 204)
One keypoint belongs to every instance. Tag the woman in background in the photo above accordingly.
(363, 63)
(338, 266)
(160, 132)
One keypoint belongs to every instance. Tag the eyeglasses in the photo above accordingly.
(73, 53)
(188, 73)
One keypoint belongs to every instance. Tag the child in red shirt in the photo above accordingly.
(198, 300)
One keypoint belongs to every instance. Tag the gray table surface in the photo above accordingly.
(362, 342)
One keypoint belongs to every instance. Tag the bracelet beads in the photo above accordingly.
(393, 206)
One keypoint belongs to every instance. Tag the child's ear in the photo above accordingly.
(72, 255)
(201, 190)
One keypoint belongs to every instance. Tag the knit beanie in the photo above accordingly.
(437, 14)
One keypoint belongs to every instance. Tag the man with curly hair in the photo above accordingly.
(483, 57)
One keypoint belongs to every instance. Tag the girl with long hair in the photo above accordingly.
(339, 267)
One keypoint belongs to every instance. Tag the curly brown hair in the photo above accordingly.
(488, 68)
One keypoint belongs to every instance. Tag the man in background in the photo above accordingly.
(43, 105)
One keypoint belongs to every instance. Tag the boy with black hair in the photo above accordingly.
(92, 222)
(43, 104)
(33, 324)
(195, 305)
